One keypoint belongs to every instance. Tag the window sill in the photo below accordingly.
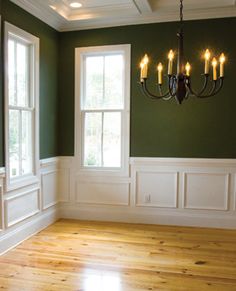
(104, 172)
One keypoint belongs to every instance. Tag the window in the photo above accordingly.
(102, 88)
(21, 116)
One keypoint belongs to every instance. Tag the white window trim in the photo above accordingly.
(125, 129)
(24, 180)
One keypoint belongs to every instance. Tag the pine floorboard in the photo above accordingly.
(105, 256)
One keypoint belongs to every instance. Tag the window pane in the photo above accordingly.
(11, 72)
(14, 139)
(112, 139)
(22, 75)
(113, 95)
(26, 142)
(92, 139)
(94, 82)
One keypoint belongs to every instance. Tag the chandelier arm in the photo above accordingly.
(161, 93)
(216, 90)
(167, 98)
(147, 92)
(197, 94)
(206, 79)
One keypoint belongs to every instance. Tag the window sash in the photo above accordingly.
(103, 112)
(20, 111)
(29, 98)
(84, 82)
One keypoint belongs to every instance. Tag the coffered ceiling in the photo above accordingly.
(103, 13)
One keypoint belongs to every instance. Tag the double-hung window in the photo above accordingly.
(102, 97)
(21, 104)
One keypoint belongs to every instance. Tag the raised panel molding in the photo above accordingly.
(21, 206)
(156, 189)
(64, 184)
(103, 193)
(49, 188)
(206, 191)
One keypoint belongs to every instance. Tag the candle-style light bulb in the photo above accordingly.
(170, 64)
(214, 65)
(141, 71)
(188, 68)
(207, 57)
(144, 68)
(160, 69)
(145, 59)
(222, 61)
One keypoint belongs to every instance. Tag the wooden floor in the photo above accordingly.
(97, 256)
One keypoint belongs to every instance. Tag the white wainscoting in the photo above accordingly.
(27, 210)
(191, 192)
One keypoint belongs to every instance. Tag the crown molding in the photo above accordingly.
(48, 16)
(60, 23)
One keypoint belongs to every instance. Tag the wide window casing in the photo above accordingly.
(102, 87)
(21, 107)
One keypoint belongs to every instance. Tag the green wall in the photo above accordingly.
(49, 40)
(197, 128)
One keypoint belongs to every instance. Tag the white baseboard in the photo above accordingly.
(148, 216)
(12, 237)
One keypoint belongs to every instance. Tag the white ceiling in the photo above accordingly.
(105, 13)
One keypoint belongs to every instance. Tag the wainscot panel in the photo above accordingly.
(206, 191)
(21, 206)
(110, 193)
(156, 189)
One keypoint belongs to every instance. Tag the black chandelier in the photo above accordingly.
(179, 85)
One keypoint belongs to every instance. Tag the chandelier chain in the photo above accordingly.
(181, 11)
